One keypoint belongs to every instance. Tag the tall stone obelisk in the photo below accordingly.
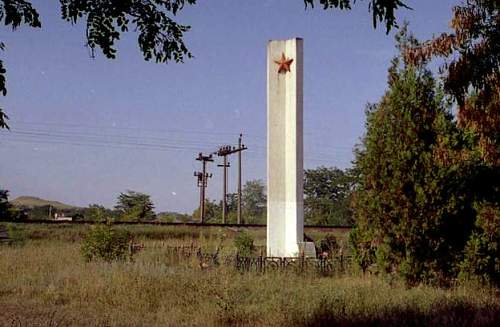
(285, 204)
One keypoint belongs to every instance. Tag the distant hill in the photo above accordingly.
(33, 202)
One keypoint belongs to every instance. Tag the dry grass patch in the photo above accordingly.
(48, 283)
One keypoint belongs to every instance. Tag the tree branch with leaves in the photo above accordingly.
(160, 37)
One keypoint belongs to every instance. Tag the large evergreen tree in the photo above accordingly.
(471, 76)
(410, 209)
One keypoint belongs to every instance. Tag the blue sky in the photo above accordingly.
(84, 130)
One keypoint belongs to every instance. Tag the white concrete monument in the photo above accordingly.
(285, 202)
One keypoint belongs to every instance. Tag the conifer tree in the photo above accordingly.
(411, 213)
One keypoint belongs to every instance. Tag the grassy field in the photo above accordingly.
(45, 282)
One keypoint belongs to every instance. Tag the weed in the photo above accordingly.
(105, 243)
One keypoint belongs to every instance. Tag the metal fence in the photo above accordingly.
(322, 265)
(262, 264)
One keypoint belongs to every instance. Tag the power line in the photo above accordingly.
(72, 139)
(260, 144)
(116, 145)
(317, 132)
(72, 125)
(93, 140)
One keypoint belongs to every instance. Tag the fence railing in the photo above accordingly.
(324, 265)
(262, 264)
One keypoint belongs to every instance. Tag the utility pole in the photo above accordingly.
(203, 177)
(224, 151)
(241, 147)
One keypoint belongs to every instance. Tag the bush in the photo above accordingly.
(362, 250)
(482, 252)
(106, 243)
(18, 236)
(244, 244)
(328, 244)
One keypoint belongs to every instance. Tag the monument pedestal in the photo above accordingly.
(285, 204)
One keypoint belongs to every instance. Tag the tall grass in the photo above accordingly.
(47, 283)
(76, 232)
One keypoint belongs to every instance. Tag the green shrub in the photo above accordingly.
(105, 243)
(18, 235)
(244, 244)
(328, 244)
(363, 252)
(482, 253)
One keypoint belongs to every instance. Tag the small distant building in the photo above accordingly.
(62, 217)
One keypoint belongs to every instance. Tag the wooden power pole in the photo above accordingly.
(224, 151)
(203, 177)
(241, 147)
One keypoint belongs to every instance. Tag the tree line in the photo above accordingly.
(327, 196)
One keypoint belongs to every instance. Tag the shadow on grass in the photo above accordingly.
(456, 314)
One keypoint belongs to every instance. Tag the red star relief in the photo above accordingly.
(284, 64)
